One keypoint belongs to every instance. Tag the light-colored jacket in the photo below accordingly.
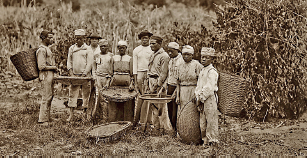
(80, 59)
(44, 58)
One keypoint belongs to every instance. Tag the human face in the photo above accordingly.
(94, 42)
(172, 52)
(187, 57)
(154, 45)
(103, 49)
(122, 49)
(145, 40)
(205, 59)
(49, 39)
(80, 40)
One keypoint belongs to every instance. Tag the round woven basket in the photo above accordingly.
(188, 124)
(26, 64)
(109, 132)
(231, 94)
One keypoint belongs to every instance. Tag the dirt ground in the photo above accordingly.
(21, 136)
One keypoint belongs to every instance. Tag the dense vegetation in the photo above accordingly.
(262, 41)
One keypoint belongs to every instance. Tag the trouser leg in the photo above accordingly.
(140, 80)
(212, 119)
(172, 106)
(203, 125)
(86, 91)
(73, 95)
(47, 96)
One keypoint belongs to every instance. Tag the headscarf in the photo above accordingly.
(188, 49)
(173, 45)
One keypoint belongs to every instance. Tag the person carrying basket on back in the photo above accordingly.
(46, 66)
(206, 94)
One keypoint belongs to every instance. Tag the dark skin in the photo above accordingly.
(187, 57)
(154, 45)
(172, 52)
(145, 40)
(206, 60)
(122, 50)
(103, 49)
(94, 42)
(79, 41)
(47, 42)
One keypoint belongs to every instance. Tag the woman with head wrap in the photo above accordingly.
(188, 117)
(122, 76)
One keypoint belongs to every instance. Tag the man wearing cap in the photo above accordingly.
(188, 116)
(205, 93)
(79, 63)
(157, 73)
(122, 76)
(46, 66)
(94, 38)
(175, 60)
(103, 72)
(141, 55)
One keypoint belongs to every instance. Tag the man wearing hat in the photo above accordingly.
(103, 71)
(46, 66)
(188, 116)
(157, 73)
(94, 38)
(205, 93)
(122, 76)
(141, 55)
(175, 60)
(79, 63)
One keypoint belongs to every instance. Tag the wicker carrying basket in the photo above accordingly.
(231, 94)
(26, 64)
(188, 124)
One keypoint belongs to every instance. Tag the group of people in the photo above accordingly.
(151, 70)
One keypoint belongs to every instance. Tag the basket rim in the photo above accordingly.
(127, 124)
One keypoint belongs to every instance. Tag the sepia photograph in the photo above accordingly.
(153, 79)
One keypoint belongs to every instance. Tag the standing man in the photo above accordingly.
(46, 66)
(141, 55)
(94, 38)
(176, 59)
(157, 73)
(79, 63)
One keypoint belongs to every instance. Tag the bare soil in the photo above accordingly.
(22, 136)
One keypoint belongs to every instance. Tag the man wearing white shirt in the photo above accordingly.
(141, 56)
(79, 63)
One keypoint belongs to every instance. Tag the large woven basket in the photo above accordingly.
(26, 64)
(188, 124)
(231, 94)
(109, 132)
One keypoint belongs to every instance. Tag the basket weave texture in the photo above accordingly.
(26, 64)
(113, 136)
(188, 124)
(231, 94)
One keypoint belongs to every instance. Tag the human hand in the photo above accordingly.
(71, 73)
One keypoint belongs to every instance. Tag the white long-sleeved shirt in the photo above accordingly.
(172, 69)
(141, 56)
(207, 83)
(80, 59)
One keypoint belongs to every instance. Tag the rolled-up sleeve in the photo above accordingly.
(41, 55)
